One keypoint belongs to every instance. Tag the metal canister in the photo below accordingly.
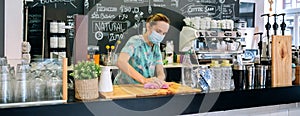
(268, 76)
(250, 77)
(239, 75)
(260, 76)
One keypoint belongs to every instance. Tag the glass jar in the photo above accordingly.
(38, 92)
(22, 84)
(6, 87)
(54, 88)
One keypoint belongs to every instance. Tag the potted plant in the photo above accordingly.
(86, 75)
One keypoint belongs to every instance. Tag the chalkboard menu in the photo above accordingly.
(111, 20)
(35, 30)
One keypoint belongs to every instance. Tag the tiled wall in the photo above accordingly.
(275, 110)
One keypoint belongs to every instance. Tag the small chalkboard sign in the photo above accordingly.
(35, 30)
(111, 20)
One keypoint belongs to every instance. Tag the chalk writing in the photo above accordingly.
(125, 9)
(158, 0)
(123, 16)
(135, 1)
(110, 19)
(99, 35)
(114, 37)
(136, 10)
(111, 26)
(193, 9)
(159, 5)
(228, 11)
(55, 1)
(101, 8)
(36, 18)
(70, 22)
(208, 1)
(96, 15)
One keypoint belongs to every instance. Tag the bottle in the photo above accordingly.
(187, 72)
(22, 83)
(226, 75)
(169, 51)
(216, 74)
(6, 90)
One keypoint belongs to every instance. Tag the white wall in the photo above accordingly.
(13, 28)
(251, 40)
(259, 10)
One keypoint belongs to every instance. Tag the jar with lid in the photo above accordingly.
(54, 42)
(54, 27)
(216, 76)
(61, 27)
(226, 75)
(62, 42)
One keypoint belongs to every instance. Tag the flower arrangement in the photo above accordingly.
(86, 70)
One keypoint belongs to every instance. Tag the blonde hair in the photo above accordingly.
(152, 19)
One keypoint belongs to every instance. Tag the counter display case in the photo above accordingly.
(37, 83)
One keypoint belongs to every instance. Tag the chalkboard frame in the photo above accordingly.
(2, 27)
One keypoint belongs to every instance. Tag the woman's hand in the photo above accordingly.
(155, 83)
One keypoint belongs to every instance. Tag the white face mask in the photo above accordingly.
(155, 37)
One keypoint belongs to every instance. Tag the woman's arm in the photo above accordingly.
(160, 72)
(124, 66)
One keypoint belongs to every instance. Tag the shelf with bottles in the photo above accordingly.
(37, 83)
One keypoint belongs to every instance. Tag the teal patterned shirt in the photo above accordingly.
(143, 58)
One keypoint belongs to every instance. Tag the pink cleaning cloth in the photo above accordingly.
(156, 86)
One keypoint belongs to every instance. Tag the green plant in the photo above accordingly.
(86, 70)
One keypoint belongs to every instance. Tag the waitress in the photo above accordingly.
(141, 55)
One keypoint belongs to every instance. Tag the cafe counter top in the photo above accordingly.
(166, 105)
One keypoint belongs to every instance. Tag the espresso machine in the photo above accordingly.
(213, 44)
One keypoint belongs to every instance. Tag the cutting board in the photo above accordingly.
(138, 90)
(281, 61)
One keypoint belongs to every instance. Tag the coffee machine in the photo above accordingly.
(213, 44)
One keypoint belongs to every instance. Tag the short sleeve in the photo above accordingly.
(129, 47)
